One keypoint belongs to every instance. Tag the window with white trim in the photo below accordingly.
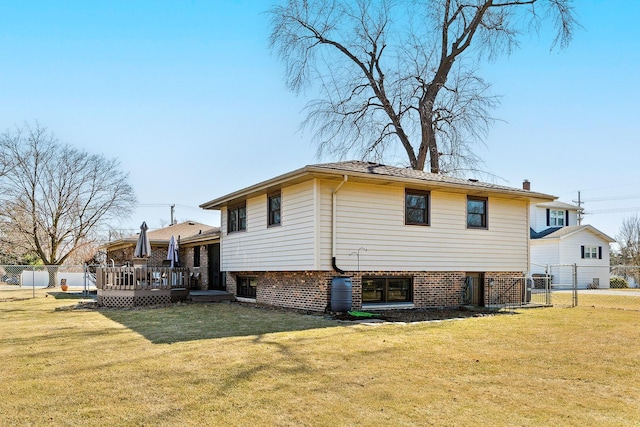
(590, 252)
(557, 218)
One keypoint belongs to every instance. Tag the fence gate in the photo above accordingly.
(563, 280)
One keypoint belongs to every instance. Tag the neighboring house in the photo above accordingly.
(199, 250)
(404, 237)
(558, 243)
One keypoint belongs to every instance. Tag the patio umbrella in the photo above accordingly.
(178, 251)
(143, 246)
(172, 253)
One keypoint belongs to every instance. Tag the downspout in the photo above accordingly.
(334, 225)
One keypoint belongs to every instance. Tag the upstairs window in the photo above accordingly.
(557, 218)
(237, 218)
(416, 207)
(476, 212)
(274, 207)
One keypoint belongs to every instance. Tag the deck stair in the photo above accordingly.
(210, 296)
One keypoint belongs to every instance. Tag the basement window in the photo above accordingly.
(246, 287)
(386, 289)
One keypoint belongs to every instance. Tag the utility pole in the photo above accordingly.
(173, 207)
(579, 202)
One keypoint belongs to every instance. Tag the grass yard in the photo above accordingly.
(224, 364)
(628, 299)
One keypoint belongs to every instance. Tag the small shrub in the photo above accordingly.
(617, 282)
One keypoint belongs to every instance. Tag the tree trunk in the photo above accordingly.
(53, 276)
(428, 143)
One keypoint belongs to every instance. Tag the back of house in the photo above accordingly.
(403, 238)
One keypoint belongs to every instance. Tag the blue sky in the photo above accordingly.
(188, 97)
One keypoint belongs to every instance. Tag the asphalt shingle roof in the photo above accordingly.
(409, 173)
(374, 171)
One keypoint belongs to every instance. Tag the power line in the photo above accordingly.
(610, 198)
(166, 205)
(613, 210)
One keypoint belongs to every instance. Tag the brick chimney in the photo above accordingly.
(526, 185)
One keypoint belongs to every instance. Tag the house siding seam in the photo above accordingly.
(311, 290)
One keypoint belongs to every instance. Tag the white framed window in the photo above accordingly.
(591, 252)
(557, 218)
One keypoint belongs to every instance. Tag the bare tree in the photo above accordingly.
(404, 72)
(628, 257)
(629, 241)
(54, 197)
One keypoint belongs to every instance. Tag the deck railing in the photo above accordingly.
(139, 278)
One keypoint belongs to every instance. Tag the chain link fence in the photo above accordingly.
(611, 293)
(80, 277)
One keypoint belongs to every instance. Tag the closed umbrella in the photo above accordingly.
(143, 246)
(177, 256)
(172, 253)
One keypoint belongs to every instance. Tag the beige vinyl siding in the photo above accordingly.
(372, 217)
(289, 246)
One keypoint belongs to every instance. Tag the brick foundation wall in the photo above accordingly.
(311, 290)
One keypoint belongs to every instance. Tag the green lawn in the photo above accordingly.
(225, 364)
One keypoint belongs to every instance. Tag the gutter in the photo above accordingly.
(334, 225)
